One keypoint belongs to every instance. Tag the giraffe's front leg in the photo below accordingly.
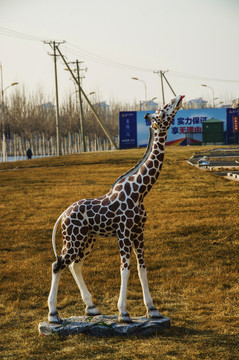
(122, 302)
(125, 250)
(152, 312)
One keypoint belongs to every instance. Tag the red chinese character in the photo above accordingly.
(235, 124)
(198, 129)
(182, 130)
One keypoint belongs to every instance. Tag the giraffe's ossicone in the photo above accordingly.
(118, 213)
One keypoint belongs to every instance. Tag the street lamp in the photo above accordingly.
(145, 89)
(4, 147)
(13, 84)
(205, 85)
(3, 92)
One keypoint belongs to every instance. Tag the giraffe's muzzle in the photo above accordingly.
(148, 116)
(181, 99)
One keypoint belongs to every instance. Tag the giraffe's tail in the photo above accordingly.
(54, 235)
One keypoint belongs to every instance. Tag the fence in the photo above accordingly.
(41, 146)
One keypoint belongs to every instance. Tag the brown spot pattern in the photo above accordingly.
(120, 212)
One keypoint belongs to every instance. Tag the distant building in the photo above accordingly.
(103, 109)
(226, 106)
(235, 103)
(47, 106)
(148, 105)
(102, 105)
(198, 103)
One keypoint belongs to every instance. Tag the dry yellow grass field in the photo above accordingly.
(191, 252)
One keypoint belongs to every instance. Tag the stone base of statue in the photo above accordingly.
(103, 325)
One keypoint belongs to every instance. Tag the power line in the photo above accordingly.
(56, 47)
(102, 60)
(75, 50)
(198, 77)
(19, 35)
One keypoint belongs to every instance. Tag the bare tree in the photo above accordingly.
(34, 113)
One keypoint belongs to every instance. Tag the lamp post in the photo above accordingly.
(205, 85)
(4, 154)
(145, 88)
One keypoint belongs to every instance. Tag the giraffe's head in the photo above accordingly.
(163, 118)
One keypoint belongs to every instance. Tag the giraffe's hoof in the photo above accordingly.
(124, 318)
(153, 313)
(54, 318)
(92, 311)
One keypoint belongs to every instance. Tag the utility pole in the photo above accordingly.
(169, 84)
(54, 45)
(81, 107)
(4, 157)
(162, 76)
(57, 103)
(88, 101)
(81, 117)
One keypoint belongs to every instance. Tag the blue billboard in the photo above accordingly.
(186, 128)
(128, 129)
(187, 125)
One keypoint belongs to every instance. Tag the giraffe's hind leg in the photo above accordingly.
(53, 316)
(76, 270)
(68, 255)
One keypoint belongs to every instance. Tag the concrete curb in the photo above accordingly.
(232, 176)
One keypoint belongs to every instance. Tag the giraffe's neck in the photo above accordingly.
(149, 171)
(142, 161)
(143, 175)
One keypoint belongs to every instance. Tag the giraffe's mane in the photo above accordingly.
(142, 161)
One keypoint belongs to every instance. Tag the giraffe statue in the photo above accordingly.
(118, 213)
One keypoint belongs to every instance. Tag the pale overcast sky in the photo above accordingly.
(196, 40)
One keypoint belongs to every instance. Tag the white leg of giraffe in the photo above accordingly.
(53, 316)
(122, 302)
(76, 270)
(152, 312)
